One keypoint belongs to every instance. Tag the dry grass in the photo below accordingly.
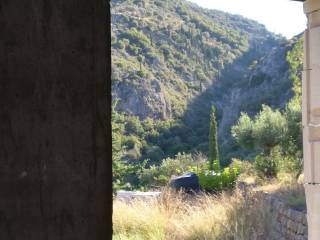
(293, 195)
(288, 189)
(180, 217)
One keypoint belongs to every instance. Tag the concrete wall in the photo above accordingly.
(55, 142)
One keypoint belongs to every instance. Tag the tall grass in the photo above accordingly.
(176, 216)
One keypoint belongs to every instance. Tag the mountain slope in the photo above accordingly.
(184, 48)
(172, 60)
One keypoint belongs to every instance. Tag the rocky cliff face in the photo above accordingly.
(147, 99)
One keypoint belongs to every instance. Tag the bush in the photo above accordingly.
(278, 137)
(247, 172)
(141, 73)
(154, 153)
(148, 124)
(243, 131)
(134, 126)
(134, 50)
(265, 132)
(136, 37)
(268, 164)
(120, 44)
(160, 175)
(214, 182)
(291, 165)
(269, 128)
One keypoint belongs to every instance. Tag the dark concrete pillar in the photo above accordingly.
(55, 149)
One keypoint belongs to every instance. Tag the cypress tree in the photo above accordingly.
(213, 142)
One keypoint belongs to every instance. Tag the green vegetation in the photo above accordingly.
(276, 136)
(216, 180)
(263, 133)
(172, 61)
(167, 57)
(268, 134)
(157, 176)
(213, 140)
(136, 139)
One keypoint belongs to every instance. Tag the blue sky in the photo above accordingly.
(280, 16)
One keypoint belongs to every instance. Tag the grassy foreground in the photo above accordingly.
(177, 216)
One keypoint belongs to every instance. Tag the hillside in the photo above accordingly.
(173, 60)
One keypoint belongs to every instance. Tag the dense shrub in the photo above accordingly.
(243, 131)
(161, 174)
(137, 37)
(265, 132)
(270, 128)
(216, 180)
(277, 134)
(154, 153)
(268, 164)
(120, 44)
(133, 125)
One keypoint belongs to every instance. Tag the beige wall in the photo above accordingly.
(311, 117)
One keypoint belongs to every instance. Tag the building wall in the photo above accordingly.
(55, 137)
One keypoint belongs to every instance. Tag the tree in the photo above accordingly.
(140, 59)
(213, 139)
(270, 127)
(267, 130)
(243, 131)
(118, 168)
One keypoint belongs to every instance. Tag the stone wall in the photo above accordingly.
(289, 224)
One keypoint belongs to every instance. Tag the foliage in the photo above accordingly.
(277, 134)
(213, 140)
(124, 174)
(264, 132)
(268, 164)
(119, 169)
(215, 180)
(212, 181)
(269, 128)
(184, 49)
(189, 51)
(137, 37)
(161, 174)
(279, 131)
(292, 145)
(243, 131)
(248, 173)
(133, 125)
(295, 59)
(154, 152)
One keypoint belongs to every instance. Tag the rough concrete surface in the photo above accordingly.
(55, 144)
